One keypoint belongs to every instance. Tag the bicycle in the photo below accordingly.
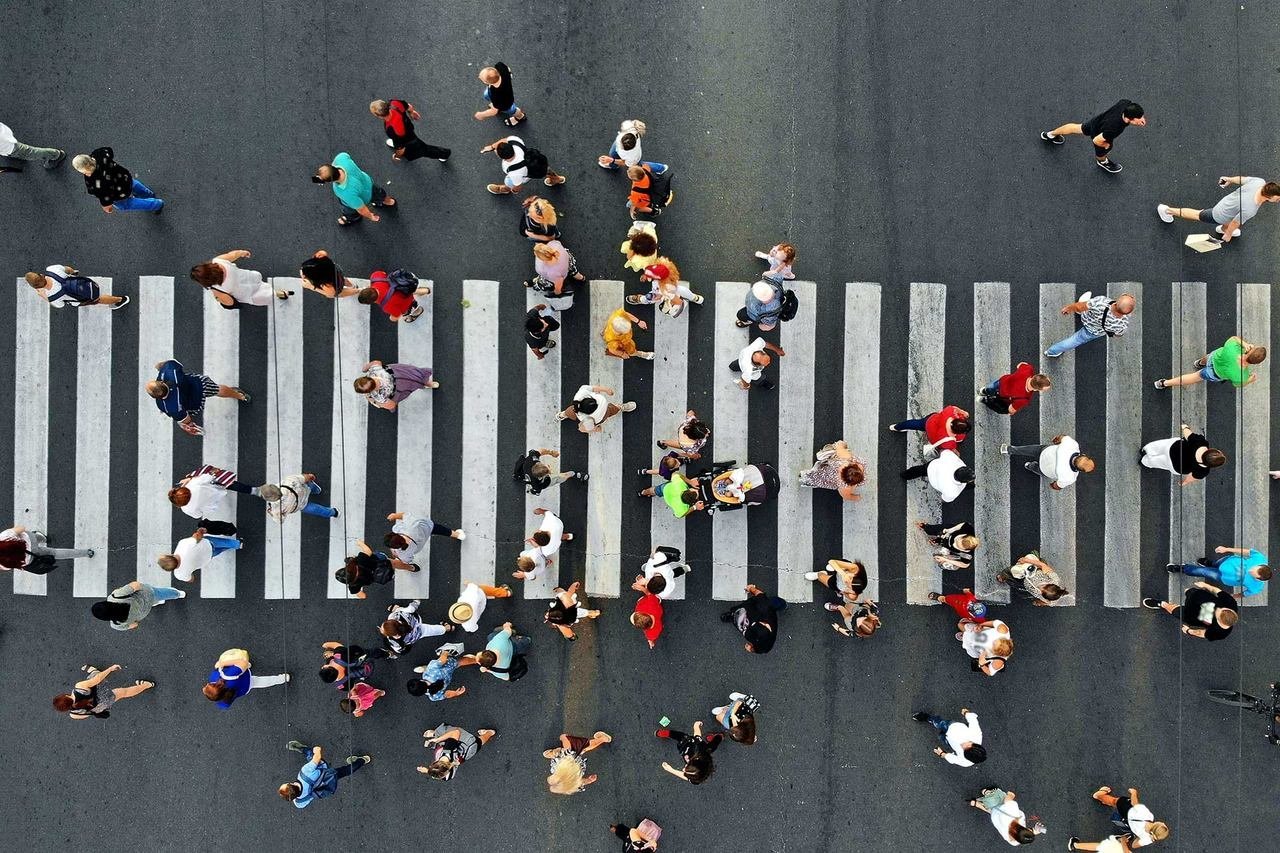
(1245, 701)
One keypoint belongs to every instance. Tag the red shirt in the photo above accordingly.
(1013, 386)
(652, 605)
(935, 428)
(397, 304)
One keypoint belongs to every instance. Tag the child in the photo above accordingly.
(779, 258)
(360, 698)
(394, 294)
(345, 666)
(666, 466)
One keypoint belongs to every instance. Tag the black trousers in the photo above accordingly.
(762, 382)
(416, 149)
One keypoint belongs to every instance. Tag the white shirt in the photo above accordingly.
(206, 496)
(960, 733)
(516, 177)
(245, 286)
(473, 595)
(65, 299)
(602, 406)
(1055, 461)
(942, 475)
(1139, 817)
(193, 555)
(539, 562)
(554, 526)
(631, 157)
(650, 568)
(1004, 815)
(751, 372)
(978, 642)
(8, 141)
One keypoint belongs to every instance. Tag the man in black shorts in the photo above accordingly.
(1207, 611)
(1103, 129)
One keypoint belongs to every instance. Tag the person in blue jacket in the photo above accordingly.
(317, 780)
(232, 677)
(181, 395)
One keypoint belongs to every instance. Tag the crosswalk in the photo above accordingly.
(867, 354)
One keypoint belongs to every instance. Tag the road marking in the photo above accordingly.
(282, 543)
(1058, 417)
(728, 441)
(795, 446)
(93, 449)
(1187, 503)
(221, 421)
(862, 425)
(1253, 445)
(991, 497)
(413, 444)
(480, 429)
(1122, 539)
(350, 434)
(154, 536)
(31, 424)
(541, 430)
(604, 484)
(670, 402)
(926, 345)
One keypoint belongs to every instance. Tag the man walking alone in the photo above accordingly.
(1103, 129)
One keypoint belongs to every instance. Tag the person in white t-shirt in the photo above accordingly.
(231, 286)
(520, 164)
(61, 285)
(1007, 816)
(1059, 462)
(1133, 817)
(626, 152)
(200, 493)
(195, 552)
(660, 572)
(546, 544)
(10, 147)
(466, 611)
(752, 361)
(591, 408)
(947, 474)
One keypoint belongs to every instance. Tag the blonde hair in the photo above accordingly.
(968, 543)
(541, 210)
(168, 562)
(545, 253)
(566, 774)
(35, 279)
(380, 108)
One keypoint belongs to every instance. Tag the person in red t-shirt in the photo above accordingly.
(395, 303)
(943, 430)
(648, 617)
(1012, 392)
(398, 117)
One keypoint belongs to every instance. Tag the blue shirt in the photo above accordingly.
(357, 190)
(1234, 571)
(765, 312)
(186, 391)
(318, 781)
(500, 644)
(235, 678)
(442, 672)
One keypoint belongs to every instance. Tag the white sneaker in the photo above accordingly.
(182, 593)
(287, 678)
(629, 406)
(1162, 210)
(647, 356)
(1004, 448)
(419, 669)
(1085, 297)
(811, 576)
(737, 697)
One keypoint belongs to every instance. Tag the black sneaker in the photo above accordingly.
(1151, 603)
(1200, 364)
(1049, 137)
(1173, 568)
(1108, 166)
(56, 161)
(124, 300)
(726, 616)
(920, 717)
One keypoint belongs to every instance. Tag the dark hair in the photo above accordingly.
(329, 673)
(1052, 592)
(110, 611)
(852, 474)
(644, 244)
(535, 324)
(486, 657)
(628, 141)
(1131, 111)
(586, 406)
(964, 474)
(218, 691)
(395, 541)
(326, 174)
(416, 687)
(347, 706)
(63, 702)
(367, 296)
(976, 753)
(669, 461)
(689, 496)
(1021, 834)
(656, 585)
(744, 731)
(541, 538)
(699, 768)
(393, 628)
(1264, 573)
(321, 272)
(505, 150)
(1271, 189)
(696, 430)
(208, 274)
(960, 426)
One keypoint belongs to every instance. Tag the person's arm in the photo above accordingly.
(774, 348)
(972, 720)
(1133, 796)
(634, 319)
(1253, 377)
(492, 145)
(395, 516)
(317, 755)
(1231, 180)
(1207, 587)
(90, 683)
(1194, 632)
(1223, 549)
(412, 111)
(674, 772)
(484, 114)
(1229, 230)
(233, 256)
(364, 548)
(1075, 308)
(602, 389)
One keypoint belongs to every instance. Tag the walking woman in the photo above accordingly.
(29, 551)
(957, 544)
(385, 386)
(568, 766)
(365, 568)
(1189, 455)
(836, 468)
(756, 618)
(779, 259)
(564, 611)
(86, 699)
(695, 750)
(451, 747)
(128, 605)
(691, 437)
(555, 270)
(861, 620)
(1133, 817)
(590, 407)
(638, 839)
(738, 718)
(232, 677)
(1006, 815)
(845, 578)
(988, 643)
(538, 222)
(641, 246)
(665, 289)
(232, 287)
(320, 274)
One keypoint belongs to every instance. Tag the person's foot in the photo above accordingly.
(581, 475)
(550, 753)
(144, 683)
(1151, 603)
(629, 406)
(603, 737)
(56, 161)
(283, 294)
(1071, 842)
(182, 593)
(498, 189)
(1109, 166)
(1049, 137)
(556, 181)
(1052, 354)
(352, 759)
(287, 678)
(241, 395)
(933, 596)
(1003, 577)
(296, 746)
(1162, 210)
(832, 606)
(697, 299)
(1004, 448)
(4, 169)
(894, 428)
(1172, 568)
(414, 567)
(634, 300)
(920, 717)
(811, 576)
(1160, 384)
(124, 300)
(92, 553)
(1200, 363)
(662, 733)
(420, 669)
(561, 416)
(647, 356)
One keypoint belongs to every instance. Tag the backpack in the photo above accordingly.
(399, 282)
(659, 188)
(534, 160)
(790, 306)
(78, 287)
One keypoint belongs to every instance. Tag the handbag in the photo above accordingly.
(1203, 243)
(999, 405)
(650, 830)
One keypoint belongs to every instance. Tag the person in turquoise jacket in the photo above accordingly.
(1236, 567)
(355, 189)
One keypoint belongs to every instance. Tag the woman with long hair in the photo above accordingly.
(232, 287)
(539, 221)
(320, 274)
(568, 766)
(87, 700)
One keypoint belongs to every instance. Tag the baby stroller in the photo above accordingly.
(725, 487)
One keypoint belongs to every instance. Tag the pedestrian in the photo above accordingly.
(472, 600)
(1234, 567)
(317, 780)
(395, 294)
(846, 578)
(201, 493)
(1103, 130)
(860, 620)
(738, 718)
(232, 287)
(354, 188)
(1039, 580)
(86, 699)
(555, 274)
(665, 288)
(409, 536)
(568, 766)
(756, 618)
(539, 322)
(763, 307)
(500, 95)
(1110, 844)
(360, 699)
(626, 150)
(660, 571)
(591, 408)
(11, 148)
(364, 568)
(965, 604)
(520, 164)
(647, 617)
(181, 395)
(1233, 210)
(386, 386)
(1207, 611)
(641, 246)
(403, 627)
(619, 341)
(503, 656)
(751, 362)
(195, 553)
(232, 677)
(1228, 363)
(344, 666)
(565, 611)
(113, 185)
(947, 474)
(1012, 392)
(943, 430)
(779, 259)
(294, 494)
(680, 493)
(667, 466)
(451, 747)
(691, 436)
(961, 742)
(988, 643)
(539, 222)
(637, 839)
(546, 544)
(398, 116)
(29, 551)
(435, 677)
(1189, 455)
(955, 544)
(1133, 817)
(696, 751)
(651, 191)
(1006, 815)
(128, 605)
(835, 467)
(1100, 317)
(1060, 461)
(320, 274)
(61, 285)
(537, 475)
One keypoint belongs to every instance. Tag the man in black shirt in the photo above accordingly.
(1206, 611)
(756, 619)
(500, 95)
(539, 323)
(1103, 129)
(113, 185)
(536, 474)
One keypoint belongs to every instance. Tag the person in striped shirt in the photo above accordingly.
(181, 395)
(1100, 317)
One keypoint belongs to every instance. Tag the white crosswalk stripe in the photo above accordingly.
(861, 539)
(728, 441)
(927, 320)
(93, 459)
(1058, 417)
(1122, 539)
(796, 380)
(604, 485)
(991, 497)
(350, 434)
(221, 434)
(415, 343)
(1253, 430)
(155, 533)
(480, 428)
(31, 426)
(543, 398)
(670, 394)
(1186, 503)
(282, 542)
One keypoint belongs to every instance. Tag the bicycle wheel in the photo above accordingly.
(1234, 698)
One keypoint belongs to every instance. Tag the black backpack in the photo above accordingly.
(790, 306)
(402, 281)
(534, 160)
(659, 188)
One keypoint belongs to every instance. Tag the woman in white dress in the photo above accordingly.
(232, 287)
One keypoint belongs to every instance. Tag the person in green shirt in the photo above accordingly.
(680, 494)
(355, 189)
(1228, 363)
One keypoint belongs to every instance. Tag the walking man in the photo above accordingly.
(196, 552)
(1100, 317)
(546, 544)
(13, 149)
(961, 742)
(1244, 568)
(751, 362)
(503, 654)
(1103, 129)
(943, 430)
(763, 307)
(1228, 363)
(113, 185)
(409, 535)
(200, 494)
(947, 474)
(1039, 580)
(1206, 612)
(354, 189)
(292, 495)
(619, 340)
(590, 407)
(1060, 462)
(1012, 392)
(500, 95)
(128, 605)
(1233, 210)
(317, 780)
(61, 285)
(536, 475)
(435, 677)
(520, 164)
(539, 322)
(1132, 817)
(398, 117)
(403, 627)
(181, 395)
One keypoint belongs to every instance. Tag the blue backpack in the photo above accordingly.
(79, 288)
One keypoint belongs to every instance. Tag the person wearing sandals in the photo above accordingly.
(555, 274)
(568, 766)
(836, 468)
(546, 544)
(317, 780)
(355, 190)
(451, 747)
(91, 698)
(385, 386)
(691, 437)
(471, 603)
(521, 163)
(539, 221)
(564, 611)
(619, 336)
(844, 577)
(956, 544)
(232, 287)
(500, 95)
(435, 677)
(320, 274)
(1007, 816)
(626, 151)
(860, 620)
(696, 751)
(638, 839)
(1132, 817)
(665, 289)
(738, 718)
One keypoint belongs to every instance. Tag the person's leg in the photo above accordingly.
(229, 393)
(22, 151)
(764, 383)
(440, 530)
(222, 543)
(909, 423)
(243, 488)
(1081, 337)
(1184, 379)
(1031, 451)
(320, 510)
(139, 203)
(1191, 213)
(657, 168)
(141, 190)
(435, 151)
(520, 644)
(992, 389)
(915, 472)
(1212, 575)
(129, 692)
(349, 214)
(941, 725)
(598, 740)
(380, 198)
(495, 591)
(1155, 454)
(1068, 129)
(256, 681)
(166, 593)
(61, 553)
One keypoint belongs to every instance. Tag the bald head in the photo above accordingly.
(1125, 304)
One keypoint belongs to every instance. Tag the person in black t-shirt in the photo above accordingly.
(500, 95)
(1189, 455)
(539, 323)
(756, 619)
(1103, 129)
(1206, 611)
(695, 750)
(536, 474)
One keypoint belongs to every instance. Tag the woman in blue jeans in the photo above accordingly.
(113, 185)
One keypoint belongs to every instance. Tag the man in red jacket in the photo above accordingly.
(1012, 392)
(648, 617)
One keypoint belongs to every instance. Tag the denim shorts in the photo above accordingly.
(504, 113)
(1208, 375)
